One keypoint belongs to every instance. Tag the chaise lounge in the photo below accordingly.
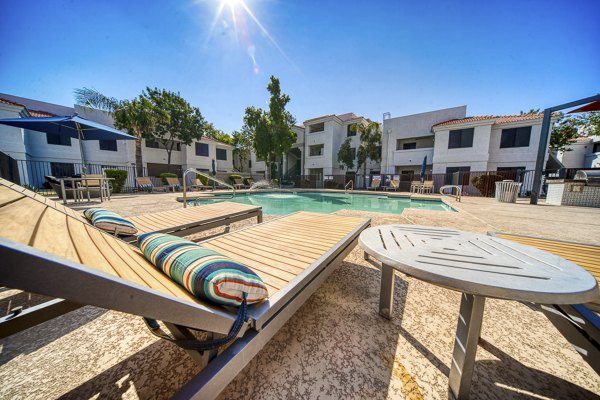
(59, 255)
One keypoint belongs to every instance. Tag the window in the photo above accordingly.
(597, 147)
(202, 149)
(513, 173)
(510, 169)
(108, 145)
(316, 150)
(515, 137)
(221, 154)
(316, 127)
(153, 144)
(62, 169)
(249, 163)
(59, 140)
(351, 130)
(461, 138)
(409, 146)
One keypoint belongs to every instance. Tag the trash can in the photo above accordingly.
(507, 191)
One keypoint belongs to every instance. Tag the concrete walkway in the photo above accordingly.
(336, 345)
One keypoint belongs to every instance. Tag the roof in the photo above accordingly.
(496, 119)
(36, 113)
(342, 117)
(40, 106)
(12, 103)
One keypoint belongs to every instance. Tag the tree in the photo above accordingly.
(130, 115)
(531, 111)
(272, 134)
(370, 144)
(346, 154)
(589, 123)
(172, 118)
(563, 133)
(217, 134)
(242, 145)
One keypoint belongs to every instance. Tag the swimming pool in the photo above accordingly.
(283, 203)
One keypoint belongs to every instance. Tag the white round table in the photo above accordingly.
(480, 266)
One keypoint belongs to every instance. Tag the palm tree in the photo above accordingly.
(127, 114)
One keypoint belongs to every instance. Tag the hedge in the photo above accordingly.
(119, 177)
(165, 175)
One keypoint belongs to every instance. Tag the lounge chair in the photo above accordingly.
(173, 183)
(239, 184)
(427, 187)
(375, 182)
(578, 323)
(144, 183)
(198, 185)
(250, 181)
(47, 251)
(394, 184)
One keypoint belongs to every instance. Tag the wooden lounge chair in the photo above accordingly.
(394, 184)
(238, 184)
(579, 323)
(145, 184)
(375, 182)
(198, 185)
(49, 251)
(250, 181)
(173, 183)
(427, 187)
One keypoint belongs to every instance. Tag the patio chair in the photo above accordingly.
(59, 255)
(427, 187)
(375, 182)
(415, 186)
(145, 183)
(173, 183)
(578, 323)
(394, 185)
(250, 181)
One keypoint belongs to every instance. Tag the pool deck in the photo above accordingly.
(336, 345)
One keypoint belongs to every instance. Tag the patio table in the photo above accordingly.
(103, 184)
(479, 266)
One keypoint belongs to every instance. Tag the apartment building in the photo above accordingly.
(583, 152)
(292, 163)
(42, 154)
(323, 137)
(408, 139)
(487, 143)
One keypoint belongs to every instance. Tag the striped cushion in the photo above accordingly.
(146, 186)
(203, 272)
(110, 221)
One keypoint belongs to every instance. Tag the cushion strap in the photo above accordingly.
(204, 345)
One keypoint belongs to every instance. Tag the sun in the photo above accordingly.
(231, 3)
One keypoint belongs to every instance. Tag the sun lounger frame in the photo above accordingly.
(84, 285)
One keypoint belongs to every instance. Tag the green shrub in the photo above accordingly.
(234, 176)
(165, 175)
(486, 184)
(203, 179)
(119, 177)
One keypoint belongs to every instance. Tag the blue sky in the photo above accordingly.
(368, 57)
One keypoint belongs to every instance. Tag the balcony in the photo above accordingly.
(412, 157)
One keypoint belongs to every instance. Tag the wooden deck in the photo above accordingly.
(584, 255)
(278, 250)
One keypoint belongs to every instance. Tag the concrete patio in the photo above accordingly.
(336, 345)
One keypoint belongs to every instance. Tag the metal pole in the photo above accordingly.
(539, 163)
(80, 138)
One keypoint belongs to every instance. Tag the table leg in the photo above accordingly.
(386, 292)
(465, 345)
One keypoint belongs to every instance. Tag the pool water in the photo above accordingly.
(287, 203)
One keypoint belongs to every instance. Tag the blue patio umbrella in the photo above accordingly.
(73, 126)
(423, 168)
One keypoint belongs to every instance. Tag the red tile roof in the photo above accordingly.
(496, 119)
(35, 113)
(12, 103)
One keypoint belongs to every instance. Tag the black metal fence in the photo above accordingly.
(473, 183)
